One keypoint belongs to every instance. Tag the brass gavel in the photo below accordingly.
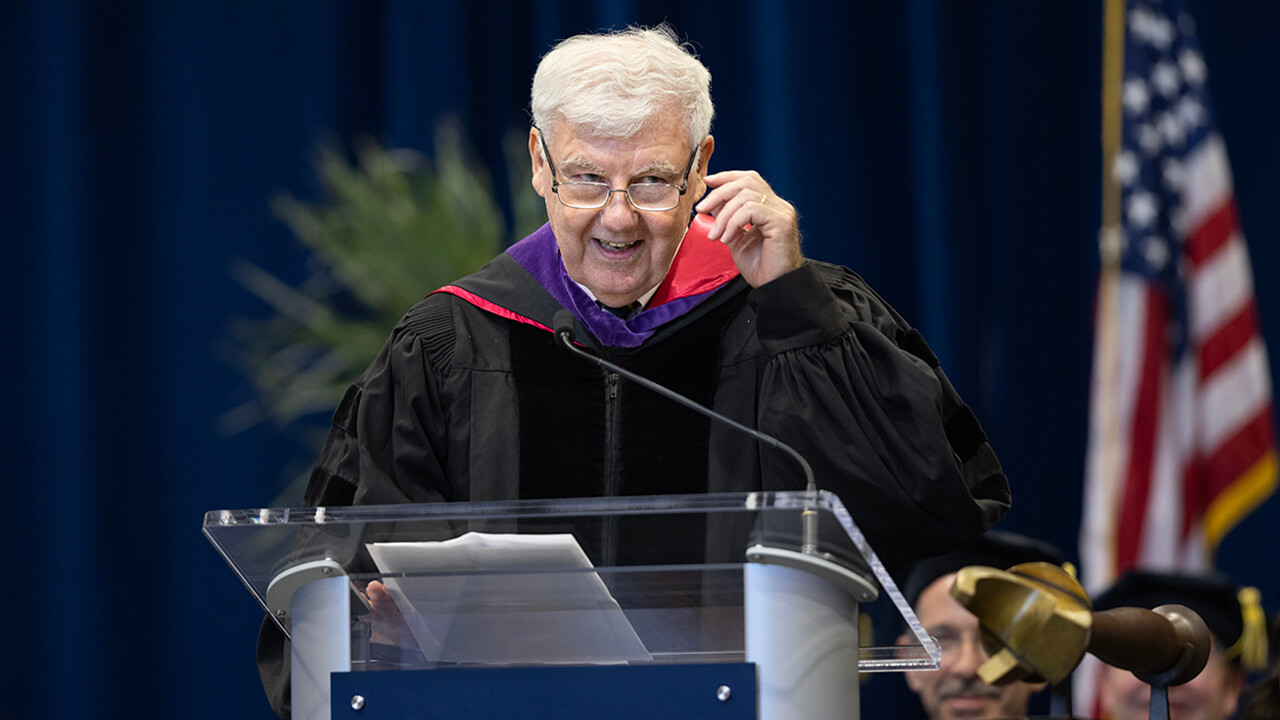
(1037, 623)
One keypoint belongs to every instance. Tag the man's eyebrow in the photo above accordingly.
(659, 167)
(579, 163)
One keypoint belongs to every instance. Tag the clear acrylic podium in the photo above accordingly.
(684, 606)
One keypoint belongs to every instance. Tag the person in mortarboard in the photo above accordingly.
(954, 690)
(1236, 622)
(1262, 699)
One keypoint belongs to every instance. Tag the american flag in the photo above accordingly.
(1181, 427)
(1181, 438)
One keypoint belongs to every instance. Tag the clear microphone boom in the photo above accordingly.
(563, 329)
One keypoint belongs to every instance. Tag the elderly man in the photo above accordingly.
(955, 690)
(1214, 694)
(472, 399)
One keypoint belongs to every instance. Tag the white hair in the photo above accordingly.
(614, 84)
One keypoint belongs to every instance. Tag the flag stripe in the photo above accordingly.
(1216, 472)
(1142, 436)
(1241, 498)
(1106, 452)
(1209, 236)
(1219, 288)
(1208, 180)
(1233, 395)
(1228, 339)
(1234, 457)
(1164, 531)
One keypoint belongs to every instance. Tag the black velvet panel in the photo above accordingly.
(565, 410)
(662, 444)
(658, 446)
(561, 402)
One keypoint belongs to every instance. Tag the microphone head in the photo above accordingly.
(562, 325)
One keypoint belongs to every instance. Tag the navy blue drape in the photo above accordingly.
(948, 151)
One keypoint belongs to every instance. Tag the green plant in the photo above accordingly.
(394, 227)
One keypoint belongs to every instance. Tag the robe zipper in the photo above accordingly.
(612, 483)
(612, 415)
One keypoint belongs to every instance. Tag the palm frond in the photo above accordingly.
(395, 226)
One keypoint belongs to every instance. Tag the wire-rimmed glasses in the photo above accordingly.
(647, 196)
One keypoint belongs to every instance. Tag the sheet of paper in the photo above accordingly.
(503, 599)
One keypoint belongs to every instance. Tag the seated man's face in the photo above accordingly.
(955, 690)
(1212, 695)
(617, 251)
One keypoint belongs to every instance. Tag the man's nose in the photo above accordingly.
(618, 210)
(967, 656)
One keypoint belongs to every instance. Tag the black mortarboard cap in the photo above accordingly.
(1215, 597)
(1212, 596)
(994, 548)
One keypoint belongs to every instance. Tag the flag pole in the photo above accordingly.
(1112, 76)
(1101, 521)
(1103, 471)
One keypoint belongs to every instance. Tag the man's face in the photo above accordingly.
(955, 690)
(617, 251)
(1212, 695)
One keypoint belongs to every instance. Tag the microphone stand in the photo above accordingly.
(563, 323)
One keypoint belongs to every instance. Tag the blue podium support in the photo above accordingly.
(617, 692)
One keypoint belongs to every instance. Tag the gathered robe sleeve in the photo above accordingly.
(857, 391)
(387, 442)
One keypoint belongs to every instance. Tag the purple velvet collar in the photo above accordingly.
(539, 255)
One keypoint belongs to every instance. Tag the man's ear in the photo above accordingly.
(707, 147)
(704, 156)
(1235, 686)
(539, 170)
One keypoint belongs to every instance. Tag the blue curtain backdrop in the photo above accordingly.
(948, 151)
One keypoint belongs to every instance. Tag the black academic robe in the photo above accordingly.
(470, 399)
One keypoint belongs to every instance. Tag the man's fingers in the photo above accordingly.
(737, 218)
(735, 206)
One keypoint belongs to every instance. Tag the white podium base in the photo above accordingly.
(802, 634)
(321, 639)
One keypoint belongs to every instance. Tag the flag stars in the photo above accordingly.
(1136, 97)
(1192, 66)
(1141, 209)
(1166, 79)
(1125, 168)
(1156, 252)
(1155, 31)
(1191, 113)
(1162, 33)
(1140, 20)
(1149, 138)
(1172, 130)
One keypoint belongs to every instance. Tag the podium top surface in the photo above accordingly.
(662, 576)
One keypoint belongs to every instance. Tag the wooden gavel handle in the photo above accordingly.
(1166, 646)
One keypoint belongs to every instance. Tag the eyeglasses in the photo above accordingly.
(647, 196)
